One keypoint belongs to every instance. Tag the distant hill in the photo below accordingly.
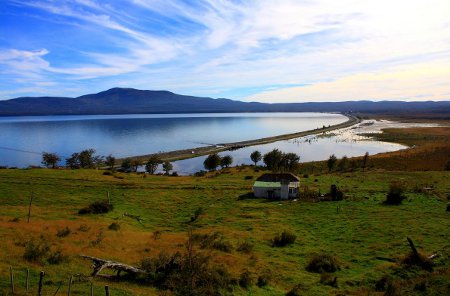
(133, 101)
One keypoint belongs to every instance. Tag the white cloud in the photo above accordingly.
(337, 48)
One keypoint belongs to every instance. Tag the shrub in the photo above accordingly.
(245, 247)
(83, 228)
(107, 173)
(114, 226)
(328, 279)
(248, 177)
(419, 260)
(156, 234)
(57, 257)
(197, 214)
(98, 207)
(264, 278)
(448, 207)
(335, 193)
(15, 219)
(283, 239)
(305, 176)
(245, 280)
(321, 263)
(36, 251)
(395, 195)
(296, 291)
(63, 232)
(213, 241)
(200, 173)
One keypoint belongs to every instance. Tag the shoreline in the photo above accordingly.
(206, 150)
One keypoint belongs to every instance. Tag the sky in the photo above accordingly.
(260, 50)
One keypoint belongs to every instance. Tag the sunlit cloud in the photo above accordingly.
(274, 51)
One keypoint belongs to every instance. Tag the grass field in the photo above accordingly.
(365, 236)
(356, 230)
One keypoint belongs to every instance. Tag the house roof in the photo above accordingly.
(280, 177)
(267, 184)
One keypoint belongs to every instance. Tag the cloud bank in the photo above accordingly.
(271, 51)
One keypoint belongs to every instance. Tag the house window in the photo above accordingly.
(292, 190)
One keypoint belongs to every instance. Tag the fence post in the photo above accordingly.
(92, 289)
(106, 290)
(41, 282)
(70, 285)
(12, 279)
(26, 279)
(29, 206)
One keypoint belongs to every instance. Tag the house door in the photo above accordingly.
(270, 194)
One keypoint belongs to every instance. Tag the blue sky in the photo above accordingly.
(261, 50)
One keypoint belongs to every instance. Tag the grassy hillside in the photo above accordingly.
(356, 230)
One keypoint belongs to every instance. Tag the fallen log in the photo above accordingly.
(99, 264)
(135, 217)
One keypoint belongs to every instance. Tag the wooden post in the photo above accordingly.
(413, 248)
(70, 285)
(92, 289)
(109, 199)
(12, 279)
(106, 290)
(29, 206)
(26, 280)
(41, 282)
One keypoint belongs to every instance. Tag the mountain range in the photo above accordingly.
(134, 101)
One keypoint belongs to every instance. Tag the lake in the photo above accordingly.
(23, 139)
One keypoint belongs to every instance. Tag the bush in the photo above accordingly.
(245, 280)
(264, 279)
(245, 247)
(395, 195)
(448, 207)
(63, 232)
(83, 228)
(57, 257)
(114, 226)
(36, 251)
(98, 207)
(283, 239)
(213, 241)
(321, 263)
(418, 260)
(200, 173)
(328, 279)
(296, 291)
(248, 177)
(107, 173)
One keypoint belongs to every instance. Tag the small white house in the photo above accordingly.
(277, 186)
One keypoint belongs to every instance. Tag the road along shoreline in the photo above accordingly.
(206, 150)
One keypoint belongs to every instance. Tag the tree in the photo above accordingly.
(50, 159)
(110, 161)
(331, 163)
(343, 163)
(73, 161)
(256, 156)
(289, 162)
(226, 161)
(86, 158)
(273, 159)
(135, 163)
(152, 164)
(126, 165)
(365, 160)
(167, 167)
(212, 162)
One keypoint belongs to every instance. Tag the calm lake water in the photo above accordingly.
(23, 139)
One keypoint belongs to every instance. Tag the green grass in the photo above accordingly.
(355, 230)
